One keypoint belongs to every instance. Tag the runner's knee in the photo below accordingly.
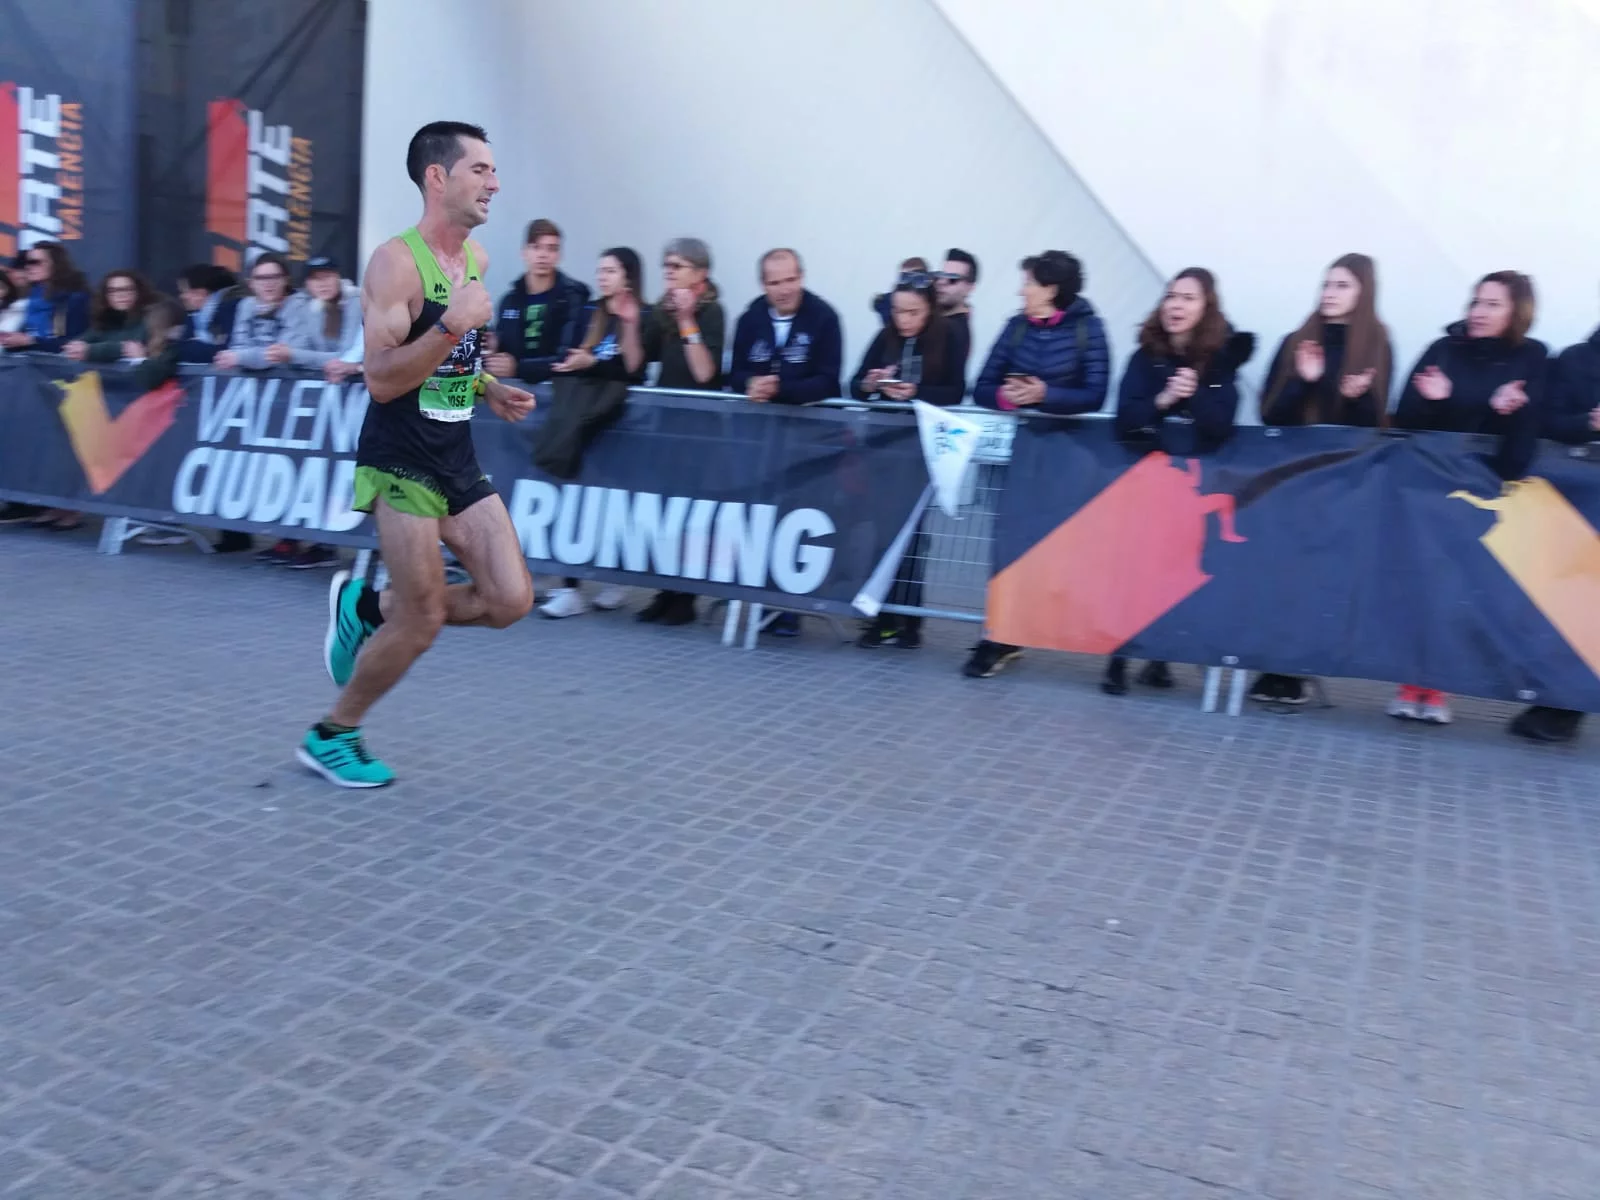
(508, 608)
(419, 621)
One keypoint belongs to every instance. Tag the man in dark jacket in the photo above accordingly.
(1572, 415)
(542, 316)
(787, 348)
(955, 284)
(210, 296)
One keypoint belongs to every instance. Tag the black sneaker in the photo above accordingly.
(279, 553)
(1269, 689)
(989, 659)
(234, 541)
(1549, 725)
(660, 604)
(18, 514)
(314, 556)
(680, 609)
(909, 637)
(878, 632)
(1292, 690)
(1116, 681)
(1155, 675)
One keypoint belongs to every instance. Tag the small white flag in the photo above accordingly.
(949, 439)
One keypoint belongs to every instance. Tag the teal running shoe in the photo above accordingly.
(347, 632)
(343, 760)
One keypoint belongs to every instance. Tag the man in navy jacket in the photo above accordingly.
(787, 348)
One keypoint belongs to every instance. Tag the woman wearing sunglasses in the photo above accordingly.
(58, 301)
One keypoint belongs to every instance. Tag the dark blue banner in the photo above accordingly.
(67, 102)
(791, 507)
(1311, 551)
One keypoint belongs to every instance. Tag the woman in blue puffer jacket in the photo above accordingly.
(1051, 357)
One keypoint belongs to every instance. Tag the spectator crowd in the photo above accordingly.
(1485, 374)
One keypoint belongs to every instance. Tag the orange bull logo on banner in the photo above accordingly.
(41, 168)
(105, 447)
(258, 187)
(1553, 553)
(1122, 561)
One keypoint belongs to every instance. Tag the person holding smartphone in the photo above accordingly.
(1052, 357)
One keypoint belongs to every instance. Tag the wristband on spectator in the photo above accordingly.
(690, 334)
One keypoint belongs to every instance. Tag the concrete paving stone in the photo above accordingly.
(647, 918)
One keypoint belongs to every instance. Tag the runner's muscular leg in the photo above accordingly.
(484, 540)
(414, 608)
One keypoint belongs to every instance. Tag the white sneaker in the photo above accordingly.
(564, 602)
(1405, 710)
(1437, 714)
(160, 537)
(610, 598)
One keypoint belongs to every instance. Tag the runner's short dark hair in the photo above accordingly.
(439, 142)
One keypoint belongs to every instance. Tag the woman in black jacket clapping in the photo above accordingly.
(1180, 393)
(1336, 369)
(1486, 375)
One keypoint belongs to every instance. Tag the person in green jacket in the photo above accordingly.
(116, 320)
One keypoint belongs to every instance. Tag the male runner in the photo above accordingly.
(424, 311)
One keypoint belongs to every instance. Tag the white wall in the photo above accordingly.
(1263, 138)
(480, 83)
(859, 133)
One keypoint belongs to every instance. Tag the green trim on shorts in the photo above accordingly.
(411, 496)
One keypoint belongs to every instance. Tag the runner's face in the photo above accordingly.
(471, 184)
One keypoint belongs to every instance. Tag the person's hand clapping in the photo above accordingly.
(1433, 384)
(1508, 397)
(76, 350)
(501, 365)
(1353, 387)
(1309, 361)
(1180, 387)
(625, 307)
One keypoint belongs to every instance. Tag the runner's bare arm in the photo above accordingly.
(388, 294)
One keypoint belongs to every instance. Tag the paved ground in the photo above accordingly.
(676, 922)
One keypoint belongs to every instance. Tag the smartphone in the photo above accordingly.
(1018, 375)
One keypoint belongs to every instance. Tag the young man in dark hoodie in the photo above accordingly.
(542, 316)
(787, 348)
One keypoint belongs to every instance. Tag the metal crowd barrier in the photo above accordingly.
(953, 556)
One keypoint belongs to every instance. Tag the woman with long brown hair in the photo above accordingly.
(58, 301)
(1180, 385)
(612, 348)
(117, 320)
(1336, 369)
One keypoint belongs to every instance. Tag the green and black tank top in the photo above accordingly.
(429, 427)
